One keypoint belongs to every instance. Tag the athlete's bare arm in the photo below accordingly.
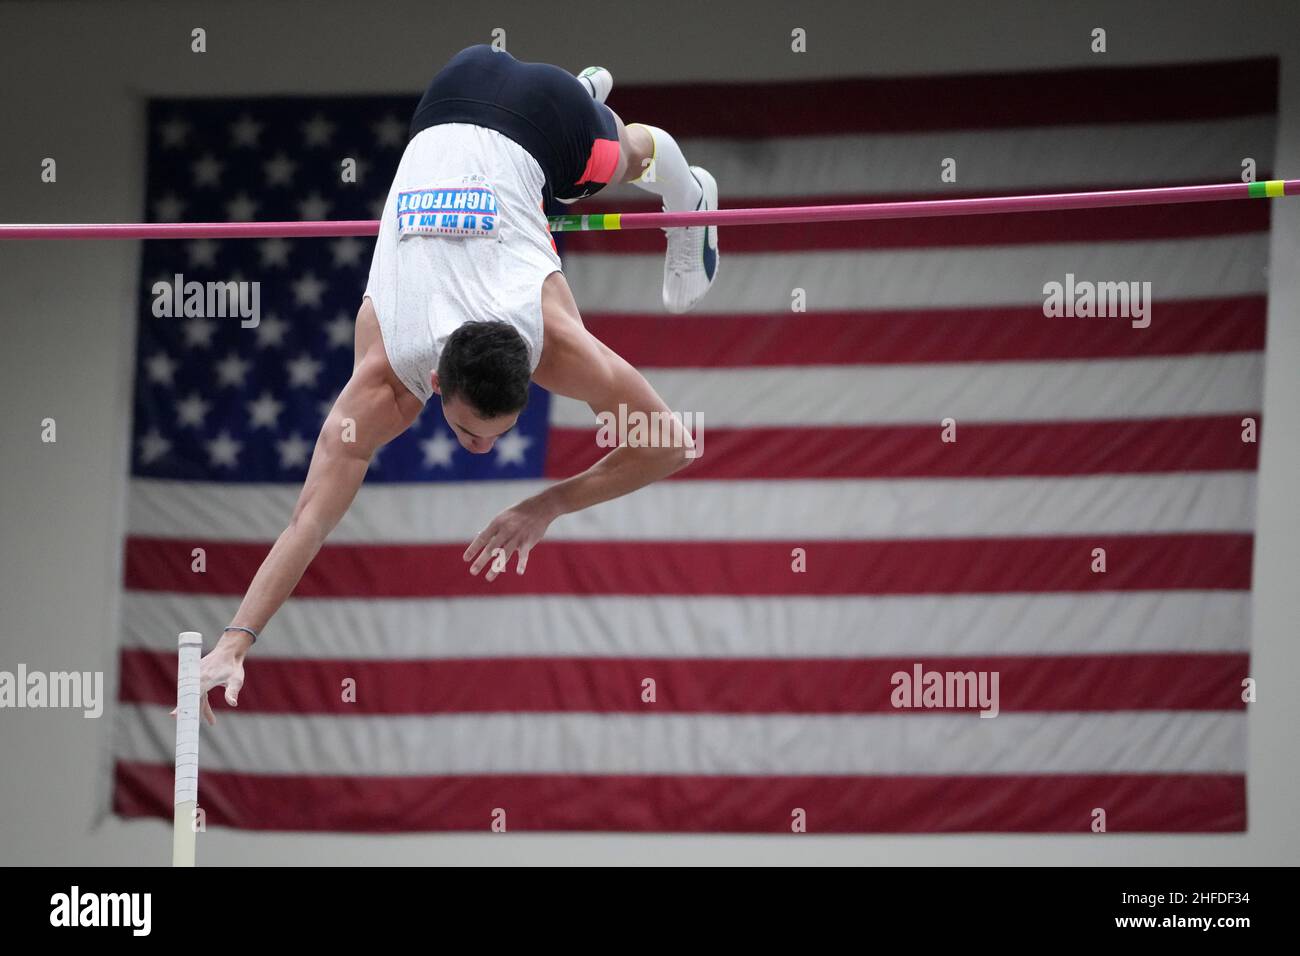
(576, 364)
(373, 409)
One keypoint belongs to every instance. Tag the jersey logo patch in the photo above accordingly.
(463, 207)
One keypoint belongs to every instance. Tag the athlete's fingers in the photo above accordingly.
(480, 542)
(483, 558)
(498, 558)
(485, 555)
(206, 708)
(476, 544)
(523, 557)
(501, 559)
(233, 687)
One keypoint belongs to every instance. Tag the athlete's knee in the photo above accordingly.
(639, 148)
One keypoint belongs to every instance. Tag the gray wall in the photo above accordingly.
(75, 79)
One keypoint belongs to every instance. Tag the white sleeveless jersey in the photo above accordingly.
(463, 237)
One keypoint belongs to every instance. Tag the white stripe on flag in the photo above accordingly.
(932, 278)
(915, 743)
(706, 510)
(713, 627)
(968, 392)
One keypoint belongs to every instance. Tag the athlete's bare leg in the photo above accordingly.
(636, 149)
(692, 260)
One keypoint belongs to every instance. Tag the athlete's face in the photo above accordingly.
(476, 435)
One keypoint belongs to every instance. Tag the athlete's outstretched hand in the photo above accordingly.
(516, 529)
(222, 667)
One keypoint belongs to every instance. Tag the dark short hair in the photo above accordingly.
(486, 365)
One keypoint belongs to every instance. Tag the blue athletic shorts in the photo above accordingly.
(543, 108)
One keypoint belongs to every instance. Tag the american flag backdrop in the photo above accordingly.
(828, 537)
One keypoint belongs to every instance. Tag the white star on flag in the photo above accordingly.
(308, 290)
(160, 368)
(245, 132)
(390, 131)
(174, 132)
(303, 371)
(274, 252)
(191, 411)
(510, 449)
(313, 208)
(438, 451)
(202, 253)
(265, 411)
(347, 251)
(271, 331)
(341, 331)
(241, 209)
(153, 446)
(207, 171)
(293, 451)
(279, 171)
(198, 331)
(169, 208)
(224, 451)
(317, 131)
(232, 370)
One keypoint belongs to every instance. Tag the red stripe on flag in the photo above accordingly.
(926, 566)
(722, 686)
(899, 336)
(898, 104)
(1130, 446)
(1050, 803)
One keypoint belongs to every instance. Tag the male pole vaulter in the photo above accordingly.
(466, 300)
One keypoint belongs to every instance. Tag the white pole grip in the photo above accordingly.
(187, 748)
